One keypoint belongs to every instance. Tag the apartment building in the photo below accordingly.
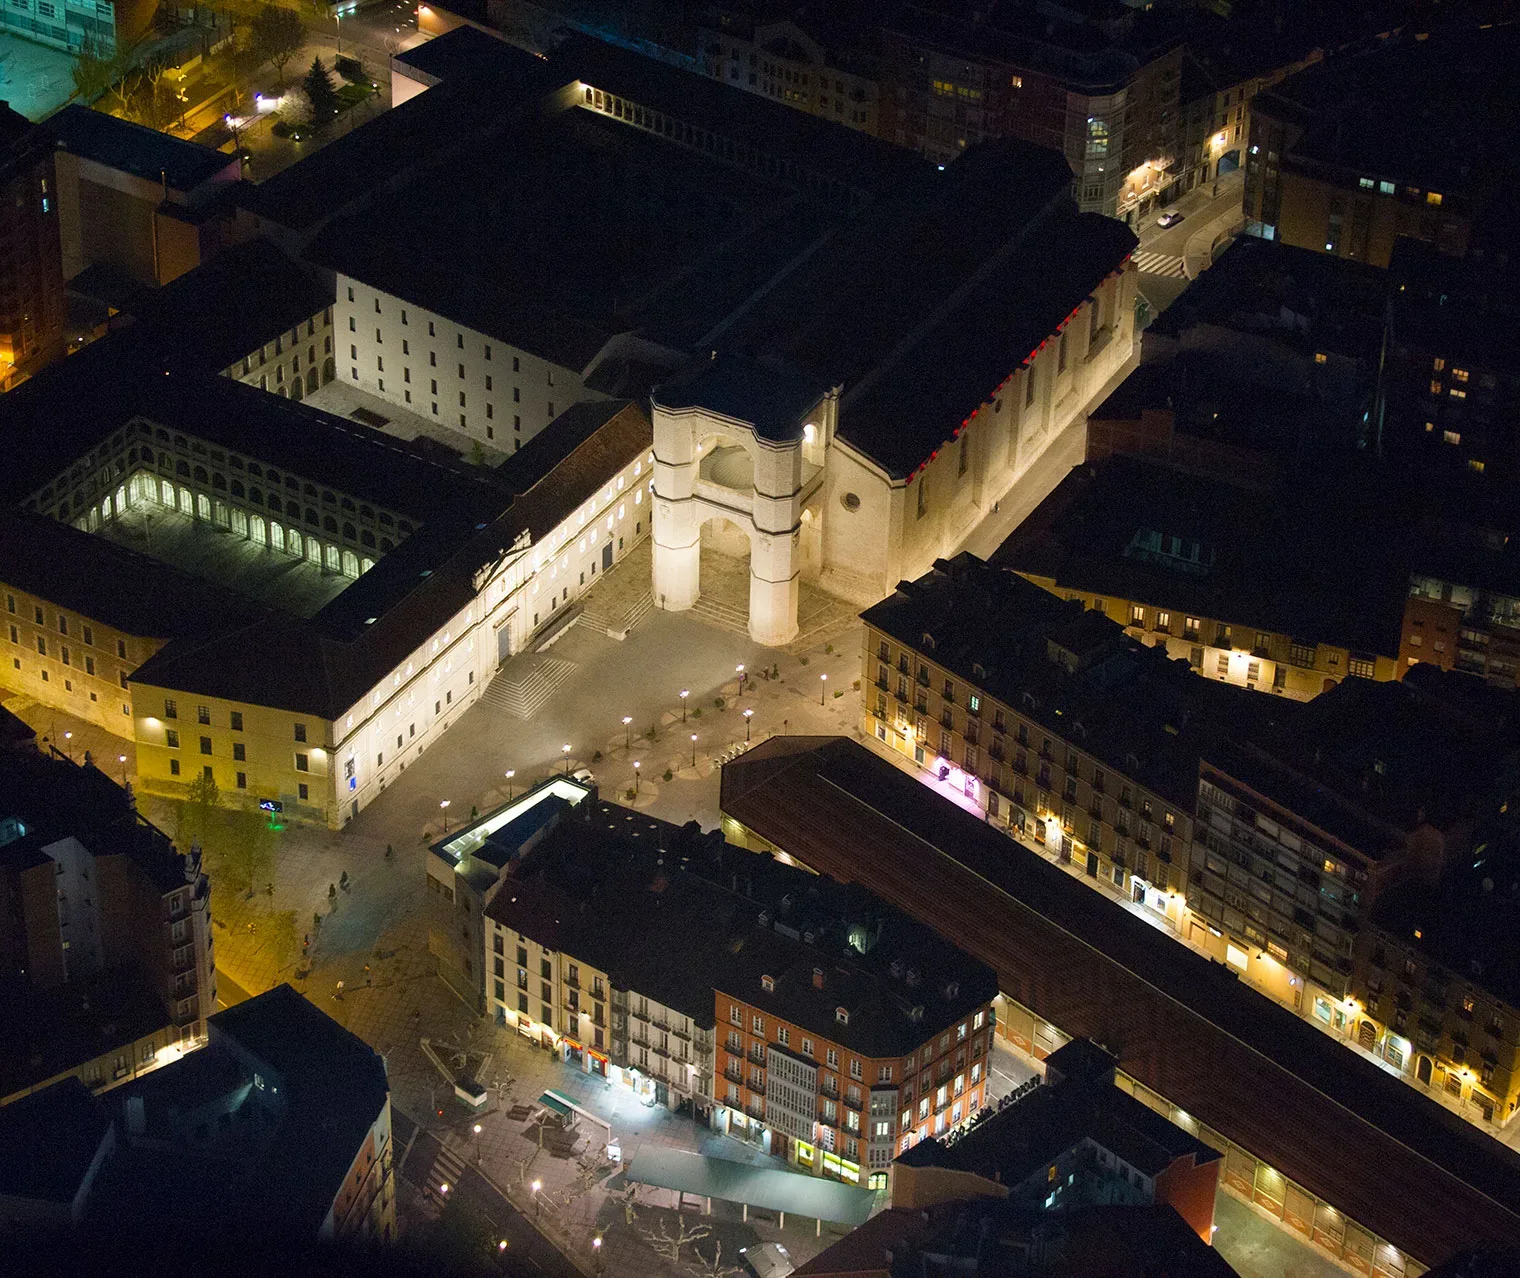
(1290, 590)
(282, 1121)
(31, 295)
(1300, 831)
(840, 1063)
(1071, 1140)
(481, 384)
(1323, 1139)
(1434, 985)
(106, 942)
(1342, 159)
(823, 70)
(603, 993)
(1105, 93)
(1042, 714)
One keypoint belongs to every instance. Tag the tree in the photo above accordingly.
(199, 816)
(249, 846)
(125, 92)
(158, 104)
(92, 73)
(277, 35)
(318, 87)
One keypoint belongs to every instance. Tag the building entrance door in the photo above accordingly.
(607, 555)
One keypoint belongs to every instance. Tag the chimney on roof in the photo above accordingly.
(817, 978)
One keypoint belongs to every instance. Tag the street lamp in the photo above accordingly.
(685, 692)
(67, 737)
(823, 684)
(596, 1252)
(635, 778)
(477, 1144)
(565, 750)
(511, 772)
(748, 715)
(443, 1188)
(628, 729)
(122, 759)
(693, 749)
(444, 805)
(537, 1185)
(739, 670)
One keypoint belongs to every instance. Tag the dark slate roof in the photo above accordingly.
(48, 1141)
(1359, 115)
(336, 1089)
(1027, 1135)
(1399, 1163)
(133, 148)
(47, 1032)
(466, 50)
(96, 578)
(1323, 559)
(695, 893)
(1141, 714)
(243, 298)
(56, 797)
(771, 397)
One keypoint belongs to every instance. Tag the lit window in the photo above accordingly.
(1432, 197)
(1451, 437)
(1385, 188)
(1320, 357)
(1475, 465)
(1459, 374)
(1365, 183)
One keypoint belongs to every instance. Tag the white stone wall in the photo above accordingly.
(425, 694)
(485, 389)
(886, 535)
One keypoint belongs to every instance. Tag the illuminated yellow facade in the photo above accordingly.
(1035, 783)
(1233, 652)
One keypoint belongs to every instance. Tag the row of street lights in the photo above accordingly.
(749, 715)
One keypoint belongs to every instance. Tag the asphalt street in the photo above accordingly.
(428, 1166)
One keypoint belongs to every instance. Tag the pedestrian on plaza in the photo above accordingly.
(332, 891)
(368, 976)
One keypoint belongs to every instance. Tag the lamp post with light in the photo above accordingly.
(739, 670)
(748, 716)
(635, 778)
(693, 749)
(511, 772)
(443, 805)
(537, 1204)
(477, 1144)
(685, 692)
(565, 750)
(823, 686)
(628, 730)
(596, 1252)
(122, 759)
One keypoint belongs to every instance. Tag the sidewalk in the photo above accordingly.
(1198, 256)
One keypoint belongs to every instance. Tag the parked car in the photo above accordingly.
(766, 1260)
(1169, 219)
(584, 776)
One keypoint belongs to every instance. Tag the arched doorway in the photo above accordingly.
(727, 510)
(1422, 1070)
(295, 390)
(311, 380)
(327, 370)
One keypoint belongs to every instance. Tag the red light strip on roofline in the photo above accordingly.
(1024, 363)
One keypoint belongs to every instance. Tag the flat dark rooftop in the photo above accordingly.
(1324, 559)
(468, 50)
(1390, 1158)
(48, 1141)
(773, 398)
(136, 149)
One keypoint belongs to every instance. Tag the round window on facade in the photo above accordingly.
(850, 501)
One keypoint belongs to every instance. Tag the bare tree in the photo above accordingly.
(125, 91)
(714, 1267)
(668, 1242)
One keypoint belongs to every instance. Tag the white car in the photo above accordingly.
(1169, 219)
(584, 776)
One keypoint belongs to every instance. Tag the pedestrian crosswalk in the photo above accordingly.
(446, 1170)
(1160, 264)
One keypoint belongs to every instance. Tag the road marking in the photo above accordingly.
(1150, 263)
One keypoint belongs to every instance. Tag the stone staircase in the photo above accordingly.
(524, 687)
(723, 615)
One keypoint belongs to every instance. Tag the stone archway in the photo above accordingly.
(714, 470)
